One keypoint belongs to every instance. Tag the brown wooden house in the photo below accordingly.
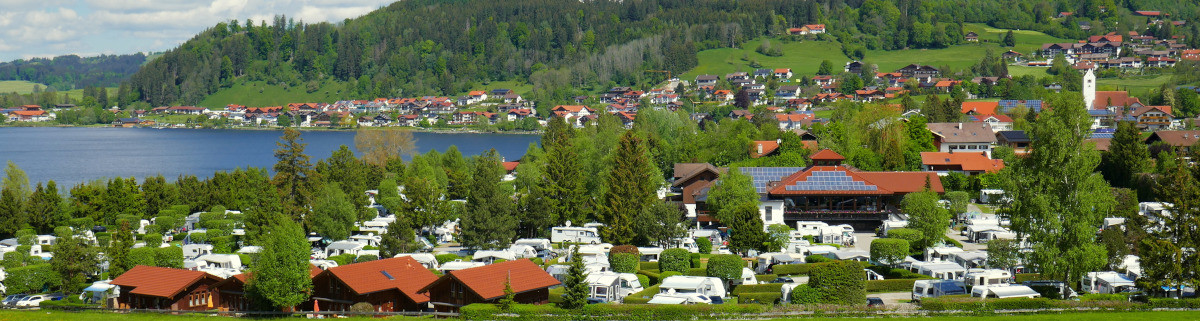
(390, 285)
(485, 284)
(149, 287)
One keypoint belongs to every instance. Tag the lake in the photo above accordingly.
(73, 155)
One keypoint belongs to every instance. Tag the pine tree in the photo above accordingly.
(1126, 157)
(1009, 40)
(565, 194)
(1168, 260)
(458, 173)
(489, 221)
(629, 190)
(576, 285)
(12, 213)
(295, 180)
(44, 208)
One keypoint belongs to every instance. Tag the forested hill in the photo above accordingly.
(73, 72)
(444, 47)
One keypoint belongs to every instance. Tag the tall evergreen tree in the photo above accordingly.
(1169, 260)
(489, 221)
(457, 173)
(1126, 157)
(1058, 198)
(295, 180)
(565, 194)
(45, 207)
(629, 190)
(12, 213)
(279, 275)
(118, 251)
(158, 194)
(576, 285)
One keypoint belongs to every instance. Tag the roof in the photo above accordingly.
(980, 107)
(827, 154)
(510, 166)
(962, 132)
(159, 281)
(1014, 136)
(402, 273)
(1102, 144)
(767, 147)
(685, 171)
(1104, 99)
(1177, 138)
(969, 161)
(1146, 109)
(488, 281)
(842, 180)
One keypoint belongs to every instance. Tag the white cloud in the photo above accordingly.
(32, 27)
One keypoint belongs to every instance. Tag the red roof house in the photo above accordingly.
(966, 162)
(150, 287)
(389, 285)
(530, 285)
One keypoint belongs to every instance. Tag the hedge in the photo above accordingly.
(704, 245)
(893, 285)
(951, 241)
(630, 249)
(623, 262)
(643, 280)
(655, 277)
(678, 260)
(816, 259)
(642, 297)
(758, 288)
(891, 273)
(725, 266)
(841, 282)
(648, 266)
(766, 277)
(443, 258)
(805, 268)
(759, 297)
(31, 278)
(1022, 277)
(972, 304)
(804, 294)
(607, 312)
(697, 272)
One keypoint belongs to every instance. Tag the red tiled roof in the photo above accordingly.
(313, 270)
(793, 117)
(969, 161)
(402, 273)
(475, 93)
(782, 70)
(980, 107)
(827, 154)
(28, 112)
(510, 166)
(1104, 99)
(768, 146)
(488, 281)
(159, 281)
(885, 183)
(570, 108)
(1177, 138)
(1145, 109)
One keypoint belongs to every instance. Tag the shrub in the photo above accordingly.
(766, 277)
(362, 307)
(697, 272)
(625, 249)
(371, 257)
(216, 232)
(889, 251)
(640, 297)
(153, 239)
(343, 259)
(894, 285)
(952, 242)
(841, 282)
(804, 294)
(816, 259)
(678, 260)
(198, 237)
(668, 274)
(170, 256)
(759, 288)
(652, 276)
(223, 244)
(970, 304)
(1022, 277)
(31, 279)
(704, 245)
(643, 280)
(443, 258)
(907, 234)
(623, 262)
(760, 297)
(725, 266)
(648, 266)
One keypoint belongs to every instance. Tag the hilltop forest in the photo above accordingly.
(445, 47)
(73, 72)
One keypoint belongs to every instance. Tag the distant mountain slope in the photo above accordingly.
(73, 72)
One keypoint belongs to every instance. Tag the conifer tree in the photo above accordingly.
(489, 221)
(295, 180)
(576, 294)
(565, 194)
(629, 190)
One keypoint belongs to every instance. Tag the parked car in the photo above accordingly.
(32, 300)
(782, 279)
(874, 302)
(11, 300)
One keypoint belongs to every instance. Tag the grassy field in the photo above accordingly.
(1136, 86)
(803, 57)
(12, 315)
(1026, 40)
(18, 86)
(260, 94)
(1036, 72)
(521, 88)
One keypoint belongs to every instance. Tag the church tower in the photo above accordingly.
(1089, 88)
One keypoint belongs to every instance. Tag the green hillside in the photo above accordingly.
(260, 94)
(17, 86)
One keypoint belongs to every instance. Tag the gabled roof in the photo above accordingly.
(768, 147)
(159, 281)
(685, 171)
(962, 132)
(402, 273)
(980, 107)
(1146, 109)
(969, 161)
(1014, 136)
(843, 180)
(488, 281)
(1177, 138)
(827, 154)
(1105, 99)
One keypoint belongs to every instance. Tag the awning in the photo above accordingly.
(658, 299)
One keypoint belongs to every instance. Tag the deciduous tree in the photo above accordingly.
(927, 216)
(279, 276)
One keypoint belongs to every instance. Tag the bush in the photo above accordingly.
(841, 282)
(371, 257)
(623, 262)
(804, 294)
(697, 272)
(153, 239)
(648, 266)
(343, 259)
(1103, 297)
(668, 274)
(198, 237)
(170, 256)
(362, 307)
(907, 234)
(652, 276)
(443, 258)
(725, 266)
(889, 251)
(625, 249)
(759, 288)
(1022, 277)
(894, 285)
(766, 277)
(223, 244)
(678, 260)
(952, 242)
(816, 259)
(760, 297)
(643, 280)
(31, 279)
(642, 297)
(704, 245)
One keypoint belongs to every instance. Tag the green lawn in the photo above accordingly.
(803, 57)
(18, 86)
(1036, 72)
(260, 94)
(1136, 86)
(1026, 40)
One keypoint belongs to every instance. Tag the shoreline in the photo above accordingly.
(315, 129)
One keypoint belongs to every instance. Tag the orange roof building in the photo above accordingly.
(530, 285)
(761, 148)
(149, 287)
(983, 108)
(388, 284)
(963, 162)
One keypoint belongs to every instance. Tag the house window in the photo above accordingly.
(768, 214)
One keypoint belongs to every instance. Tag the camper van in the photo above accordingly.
(1003, 291)
(575, 234)
(538, 244)
(650, 254)
(940, 270)
(489, 257)
(706, 286)
(767, 260)
(691, 298)
(987, 277)
(747, 278)
(936, 288)
(612, 286)
(1106, 283)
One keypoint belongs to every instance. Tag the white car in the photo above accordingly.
(32, 300)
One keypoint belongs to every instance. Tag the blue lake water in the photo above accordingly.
(73, 155)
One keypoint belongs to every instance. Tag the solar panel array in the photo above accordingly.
(1103, 133)
(761, 176)
(1008, 104)
(830, 181)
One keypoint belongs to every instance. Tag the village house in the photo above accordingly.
(997, 122)
(970, 163)
(389, 285)
(149, 287)
(763, 148)
(923, 74)
(1153, 118)
(959, 137)
(783, 73)
(972, 36)
(530, 285)
(706, 82)
(822, 80)
(854, 67)
(29, 113)
(1181, 140)
(1015, 139)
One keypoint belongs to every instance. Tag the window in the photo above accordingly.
(768, 210)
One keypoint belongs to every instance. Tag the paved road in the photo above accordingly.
(899, 299)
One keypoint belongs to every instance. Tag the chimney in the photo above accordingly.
(760, 148)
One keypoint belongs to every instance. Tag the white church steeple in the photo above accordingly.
(1089, 88)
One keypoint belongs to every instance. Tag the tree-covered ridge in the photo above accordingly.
(73, 72)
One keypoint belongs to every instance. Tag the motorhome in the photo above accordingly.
(706, 286)
(692, 298)
(612, 286)
(343, 247)
(850, 255)
(650, 254)
(767, 260)
(523, 251)
(1003, 291)
(196, 250)
(713, 236)
(982, 277)
(936, 288)
(575, 234)
(1106, 283)
(538, 244)
(940, 270)
(747, 278)
(489, 257)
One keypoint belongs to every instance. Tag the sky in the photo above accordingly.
(47, 28)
